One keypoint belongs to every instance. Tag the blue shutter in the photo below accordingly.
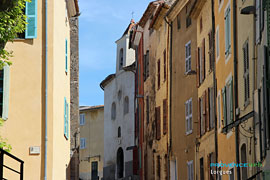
(65, 117)
(31, 13)
(6, 93)
(66, 56)
(67, 122)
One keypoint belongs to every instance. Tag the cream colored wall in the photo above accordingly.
(25, 125)
(93, 132)
(61, 89)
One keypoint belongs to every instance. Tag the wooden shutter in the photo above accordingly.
(199, 119)
(211, 52)
(198, 67)
(204, 112)
(158, 129)
(165, 112)
(258, 21)
(207, 110)
(6, 92)
(66, 55)
(158, 64)
(165, 62)
(231, 101)
(203, 59)
(224, 106)
(31, 13)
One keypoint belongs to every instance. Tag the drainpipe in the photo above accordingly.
(236, 84)
(46, 90)
(170, 105)
(214, 80)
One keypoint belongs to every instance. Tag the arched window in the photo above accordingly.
(121, 58)
(126, 105)
(119, 131)
(120, 163)
(244, 160)
(113, 111)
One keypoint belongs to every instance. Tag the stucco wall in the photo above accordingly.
(93, 132)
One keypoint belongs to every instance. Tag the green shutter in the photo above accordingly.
(231, 99)
(31, 13)
(66, 55)
(224, 106)
(6, 93)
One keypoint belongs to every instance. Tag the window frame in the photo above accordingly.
(82, 122)
(227, 31)
(190, 168)
(83, 145)
(188, 57)
(188, 116)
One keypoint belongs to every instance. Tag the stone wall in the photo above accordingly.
(74, 98)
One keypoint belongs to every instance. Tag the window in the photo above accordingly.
(113, 111)
(231, 175)
(228, 30)
(82, 143)
(227, 94)
(164, 64)
(211, 50)
(217, 43)
(178, 22)
(158, 73)
(121, 58)
(188, 109)
(66, 118)
(219, 176)
(158, 166)
(246, 72)
(146, 65)
(211, 108)
(201, 54)
(4, 92)
(220, 3)
(201, 169)
(165, 112)
(219, 112)
(66, 56)
(202, 115)
(258, 21)
(244, 174)
(188, 22)
(126, 105)
(94, 170)
(31, 26)
(211, 160)
(82, 120)
(158, 128)
(188, 57)
(31, 13)
(119, 132)
(190, 170)
(147, 109)
(201, 24)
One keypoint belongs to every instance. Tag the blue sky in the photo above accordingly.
(101, 23)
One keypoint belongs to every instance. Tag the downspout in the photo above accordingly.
(170, 123)
(214, 80)
(46, 90)
(235, 85)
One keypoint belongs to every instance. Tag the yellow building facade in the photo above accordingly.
(224, 51)
(205, 143)
(91, 142)
(26, 111)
